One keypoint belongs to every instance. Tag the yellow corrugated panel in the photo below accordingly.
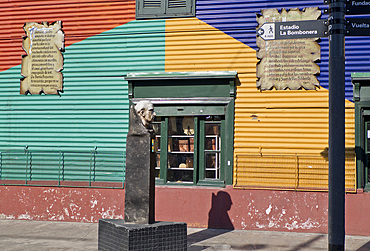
(192, 45)
(286, 131)
(258, 171)
(294, 172)
(269, 122)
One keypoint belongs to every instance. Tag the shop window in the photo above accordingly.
(363, 151)
(367, 153)
(164, 8)
(193, 149)
(194, 124)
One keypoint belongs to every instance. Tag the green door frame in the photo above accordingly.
(361, 97)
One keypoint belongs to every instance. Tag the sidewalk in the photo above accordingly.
(47, 235)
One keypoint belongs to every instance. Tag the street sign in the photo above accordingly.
(358, 26)
(355, 7)
(293, 30)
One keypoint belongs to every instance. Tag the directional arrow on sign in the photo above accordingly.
(267, 31)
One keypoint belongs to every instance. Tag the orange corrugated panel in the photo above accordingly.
(81, 19)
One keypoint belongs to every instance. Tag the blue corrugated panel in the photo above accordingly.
(237, 18)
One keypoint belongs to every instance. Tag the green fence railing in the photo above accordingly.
(82, 168)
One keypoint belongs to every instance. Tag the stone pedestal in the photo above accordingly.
(117, 235)
(139, 180)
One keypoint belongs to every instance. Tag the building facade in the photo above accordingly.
(229, 155)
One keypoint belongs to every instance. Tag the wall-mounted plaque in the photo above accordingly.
(41, 67)
(288, 63)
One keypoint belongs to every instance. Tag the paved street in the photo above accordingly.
(46, 235)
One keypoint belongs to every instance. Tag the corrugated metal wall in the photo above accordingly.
(237, 18)
(81, 19)
(269, 122)
(103, 43)
(292, 172)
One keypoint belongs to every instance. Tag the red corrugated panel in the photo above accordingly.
(81, 19)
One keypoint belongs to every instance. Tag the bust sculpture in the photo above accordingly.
(141, 117)
(145, 110)
(140, 165)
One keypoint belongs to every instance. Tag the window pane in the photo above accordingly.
(212, 165)
(180, 167)
(180, 149)
(367, 150)
(213, 137)
(157, 145)
(368, 169)
(212, 147)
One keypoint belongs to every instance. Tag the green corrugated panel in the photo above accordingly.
(61, 132)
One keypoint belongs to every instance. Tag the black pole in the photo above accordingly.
(336, 226)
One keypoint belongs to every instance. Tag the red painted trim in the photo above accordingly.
(197, 206)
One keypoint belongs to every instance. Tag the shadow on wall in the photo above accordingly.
(218, 216)
(350, 152)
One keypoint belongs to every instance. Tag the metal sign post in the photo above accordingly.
(336, 31)
(336, 224)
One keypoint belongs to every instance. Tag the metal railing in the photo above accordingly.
(81, 168)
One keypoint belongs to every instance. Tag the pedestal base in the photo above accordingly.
(118, 235)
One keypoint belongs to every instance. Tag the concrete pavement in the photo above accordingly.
(51, 235)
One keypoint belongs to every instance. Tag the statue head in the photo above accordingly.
(145, 110)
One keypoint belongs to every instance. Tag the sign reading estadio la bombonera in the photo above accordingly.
(293, 30)
(41, 67)
(287, 63)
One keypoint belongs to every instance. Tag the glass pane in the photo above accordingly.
(368, 169)
(157, 125)
(157, 145)
(180, 149)
(367, 172)
(158, 165)
(212, 165)
(368, 137)
(181, 126)
(213, 137)
(213, 118)
(180, 167)
(212, 147)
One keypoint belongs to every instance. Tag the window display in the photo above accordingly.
(180, 149)
(194, 150)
